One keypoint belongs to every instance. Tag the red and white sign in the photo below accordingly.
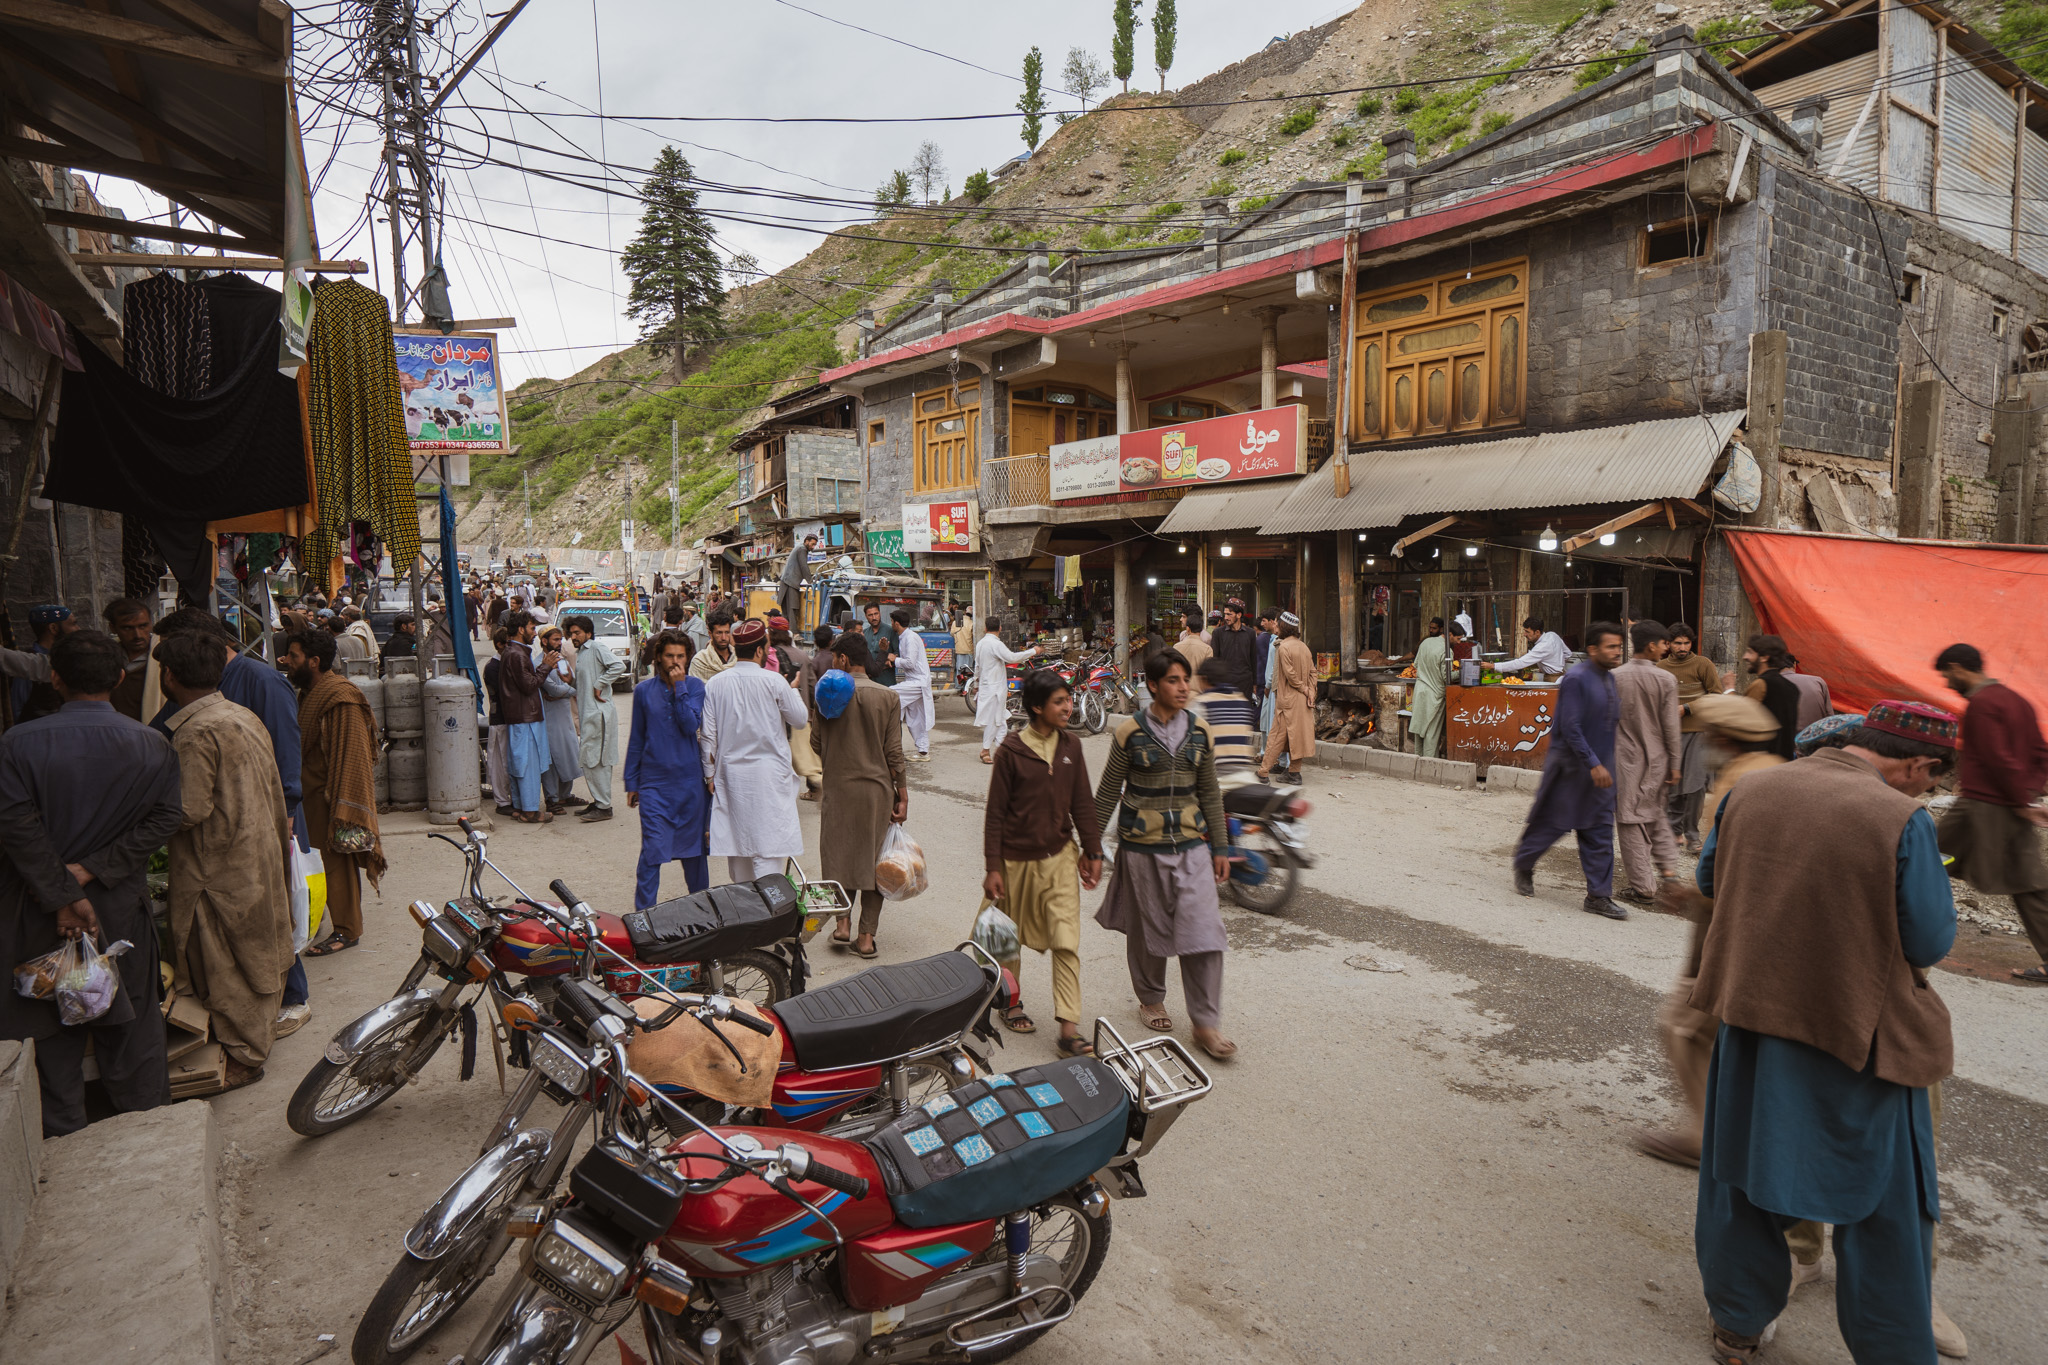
(936, 528)
(1271, 443)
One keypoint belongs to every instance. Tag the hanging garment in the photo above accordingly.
(167, 335)
(362, 459)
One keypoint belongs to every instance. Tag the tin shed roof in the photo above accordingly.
(1633, 462)
(1243, 507)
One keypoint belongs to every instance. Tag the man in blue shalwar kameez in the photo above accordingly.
(1577, 791)
(1830, 902)
(664, 774)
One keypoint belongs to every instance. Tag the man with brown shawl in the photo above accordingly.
(1294, 700)
(231, 926)
(859, 740)
(338, 738)
(1646, 764)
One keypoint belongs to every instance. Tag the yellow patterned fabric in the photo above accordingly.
(362, 459)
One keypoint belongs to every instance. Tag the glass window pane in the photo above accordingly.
(1370, 383)
(1508, 356)
(1404, 403)
(1470, 399)
(1439, 397)
(1440, 338)
(1162, 412)
(1473, 291)
(1398, 308)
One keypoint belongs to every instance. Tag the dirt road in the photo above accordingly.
(1429, 1164)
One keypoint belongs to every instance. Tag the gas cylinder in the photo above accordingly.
(402, 716)
(407, 760)
(363, 673)
(450, 740)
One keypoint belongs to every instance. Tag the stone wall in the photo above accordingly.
(1275, 59)
(815, 454)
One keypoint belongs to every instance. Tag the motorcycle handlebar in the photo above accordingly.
(468, 830)
(754, 1022)
(561, 889)
(818, 1173)
(575, 1002)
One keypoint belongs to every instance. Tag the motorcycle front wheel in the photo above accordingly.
(333, 1096)
(1269, 896)
(1062, 1230)
(1094, 714)
(754, 976)
(418, 1296)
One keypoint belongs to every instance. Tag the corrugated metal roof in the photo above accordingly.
(1633, 462)
(1244, 507)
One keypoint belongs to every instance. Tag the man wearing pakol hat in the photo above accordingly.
(1294, 699)
(1830, 904)
(31, 692)
(1577, 790)
(748, 713)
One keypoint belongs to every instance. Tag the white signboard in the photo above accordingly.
(626, 534)
(1084, 469)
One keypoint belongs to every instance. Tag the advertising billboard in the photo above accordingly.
(453, 402)
(1270, 443)
(941, 527)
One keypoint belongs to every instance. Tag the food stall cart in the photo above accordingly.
(1504, 720)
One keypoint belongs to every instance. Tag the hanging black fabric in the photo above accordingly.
(167, 343)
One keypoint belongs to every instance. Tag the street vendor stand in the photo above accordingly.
(1506, 723)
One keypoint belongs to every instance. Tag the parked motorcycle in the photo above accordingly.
(472, 948)
(734, 1246)
(1268, 845)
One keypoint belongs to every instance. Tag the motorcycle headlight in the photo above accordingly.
(554, 1060)
(579, 1261)
(445, 940)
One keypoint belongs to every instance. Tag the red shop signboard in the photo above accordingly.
(1271, 443)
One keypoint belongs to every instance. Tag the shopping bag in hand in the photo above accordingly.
(899, 871)
(80, 978)
(995, 933)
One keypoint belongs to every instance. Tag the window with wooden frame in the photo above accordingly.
(875, 432)
(1172, 410)
(1673, 243)
(948, 425)
(1048, 415)
(1442, 356)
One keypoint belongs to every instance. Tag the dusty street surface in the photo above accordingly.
(1431, 1164)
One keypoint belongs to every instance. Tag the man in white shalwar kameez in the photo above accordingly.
(913, 685)
(992, 660)
(744, 738)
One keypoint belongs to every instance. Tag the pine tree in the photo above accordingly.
(1032, 101)
(1123, 44)
(678, 295)
(1164, 24)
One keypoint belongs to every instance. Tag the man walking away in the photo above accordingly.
(1646, 759)
(597, 720)
(709, 663)
(86, 796)
(789, 592)
(1577, 790)
(992, 660)
(1993, 831)
(231, 924)
(1815, 702)
(857, 735)
(1697, 677)
(1234, 644)
(664, 773)
(526, 731)
(1232, 722)
(1830, 904)
(748, 713)
(129, 622)
(1766, 659)
(1294, 699)
(338, 760)
(1191, 645)
(913, 685)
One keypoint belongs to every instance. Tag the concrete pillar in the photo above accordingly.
(2017, 450)
(1919, 487)
(1039, 271)
(1205, 573)
(1126, 414)
(1120, 604)
(1767, 354)
(1347, 602)
(1269, 355)
(1806, 123)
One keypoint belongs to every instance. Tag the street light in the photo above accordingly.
(1225, 551)
(1151, 582)
(1471, 551)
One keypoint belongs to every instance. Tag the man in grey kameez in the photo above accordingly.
(86, 795)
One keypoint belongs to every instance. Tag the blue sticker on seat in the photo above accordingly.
(1044, 1094)
(986, 1110)
(940, 1104)
(998, 1082)
(1033, 1123)
(974, 1150)
(926, 1140)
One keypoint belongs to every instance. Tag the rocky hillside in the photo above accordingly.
(1132, 173)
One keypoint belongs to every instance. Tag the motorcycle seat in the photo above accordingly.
(883, 1012)
(1003, 1143)
(1251, 799)
(707, 925)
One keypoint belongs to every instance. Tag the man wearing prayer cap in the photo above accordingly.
(1830, 905)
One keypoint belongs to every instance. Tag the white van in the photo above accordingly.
(608, 619)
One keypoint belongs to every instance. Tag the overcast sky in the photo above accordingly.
(753, 58)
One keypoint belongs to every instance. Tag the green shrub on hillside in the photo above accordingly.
(1592, 73)
(1340, 138)
(1369, 104)
(1442, 116)
(2022, 33)
(1255, 203)
(1407, 100)
(1298, 122)
(1230, 157)
(1370, 164)
(1712, 33)
(1495, 121)
(979, 186)
(1219, 188)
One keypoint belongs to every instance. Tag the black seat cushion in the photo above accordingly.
(1003, 1143)
(883, 1012)
(1249, 800)
(717, 923)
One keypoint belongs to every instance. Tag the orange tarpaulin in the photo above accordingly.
(1870, 615)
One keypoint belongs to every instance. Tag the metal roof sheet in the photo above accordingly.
(1632, 462)
(1243, 507)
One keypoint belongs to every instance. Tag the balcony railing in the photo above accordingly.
(1016, 481)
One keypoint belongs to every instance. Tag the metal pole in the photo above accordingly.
(675, 487)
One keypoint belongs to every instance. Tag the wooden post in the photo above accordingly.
(1767, 357)
(1347, 602)
(1120, 607)
(1125, 418)
(1919, 487)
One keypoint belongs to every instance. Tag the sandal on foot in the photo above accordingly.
(1733, 1349)
(1074, 1045)
(2035, 976)
(240, 1075)
(844, 940)
(1156, 1018)
(1222, 1052)
(1017, 1021)
(328, 947)
(873, 950)
(1668, 1147)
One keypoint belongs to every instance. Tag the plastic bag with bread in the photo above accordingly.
(899, 871)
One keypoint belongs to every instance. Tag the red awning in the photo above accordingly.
(1870, 615)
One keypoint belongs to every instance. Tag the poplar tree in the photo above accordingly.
(1123, 44)
(1164, 23)
(678, 294)
(1032, 102)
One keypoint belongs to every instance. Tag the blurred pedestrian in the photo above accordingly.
(1646, 764)
(664, 773)
(1766, 660)
(1577, 789)
(337, 769)
(857, 733)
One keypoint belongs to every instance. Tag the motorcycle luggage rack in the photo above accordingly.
(821, 900)
(1059, 1307)
(1163, 1079)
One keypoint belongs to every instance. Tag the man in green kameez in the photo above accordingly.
(1426, 708)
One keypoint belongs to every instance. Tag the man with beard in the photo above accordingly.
(1767, 659)
(1577, 790)
(1696, 677)
(526, 730)
(664, 773)
(129, 622)
(1646, 762)
(709, 663)
(337, 771)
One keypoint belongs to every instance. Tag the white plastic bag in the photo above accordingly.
(995, 933)
(80, 978)
(1741, 488)
(301, 896)
(899, 871)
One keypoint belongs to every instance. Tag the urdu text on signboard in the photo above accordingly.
(1270, 443)
(453, 402)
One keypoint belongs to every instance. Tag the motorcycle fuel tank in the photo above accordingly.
(538, 947)
(744, 1225)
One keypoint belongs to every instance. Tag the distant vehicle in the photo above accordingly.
(607, 613)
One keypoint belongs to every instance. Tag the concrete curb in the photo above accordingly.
(1439, 772)
(21, 1148)
(123, 1259)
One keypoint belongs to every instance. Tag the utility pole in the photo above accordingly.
(675, 481)
(526, 487)
(393, 61)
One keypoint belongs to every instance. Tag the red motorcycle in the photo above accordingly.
(967, 1228)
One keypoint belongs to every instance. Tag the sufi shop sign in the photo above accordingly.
(936, 528)
(1270, 443)
(453, 402)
